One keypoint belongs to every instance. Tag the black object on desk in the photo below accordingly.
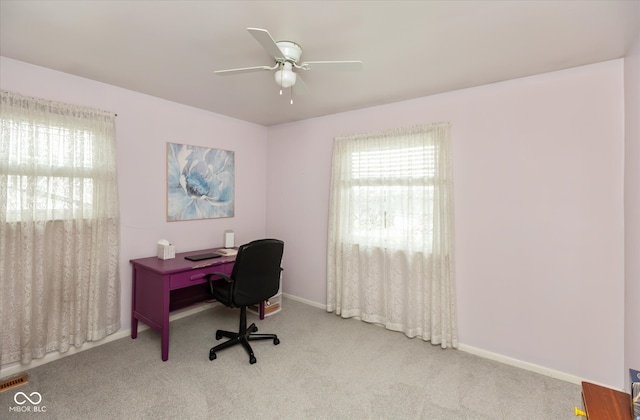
(199, 257)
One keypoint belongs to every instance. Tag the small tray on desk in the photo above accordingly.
(228, 251)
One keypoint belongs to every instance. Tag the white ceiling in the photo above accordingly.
(410, 49)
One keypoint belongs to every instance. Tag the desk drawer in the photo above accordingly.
(197, 276)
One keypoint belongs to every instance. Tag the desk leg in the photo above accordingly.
(165, 343)
(165, 323)
(134, 320)
(134, 328)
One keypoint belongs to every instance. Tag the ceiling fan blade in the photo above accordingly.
(332, 65)
(300, 88)
(242, 70)
(264, 38)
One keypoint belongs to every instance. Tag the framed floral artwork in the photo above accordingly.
(200, 182)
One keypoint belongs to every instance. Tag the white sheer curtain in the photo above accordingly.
(59, 227)
(390, 240)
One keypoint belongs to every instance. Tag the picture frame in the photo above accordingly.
(200, 182)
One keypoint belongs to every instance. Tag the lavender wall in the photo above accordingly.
(539, 213)
(144, 126)
(632, 208)
(538, 166)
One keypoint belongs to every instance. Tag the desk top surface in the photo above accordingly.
(179, 263)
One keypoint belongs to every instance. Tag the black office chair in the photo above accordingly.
(254, 279)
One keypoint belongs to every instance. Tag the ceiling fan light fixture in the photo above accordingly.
(285, 77)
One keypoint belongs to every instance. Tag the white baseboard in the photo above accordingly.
(17, 367)
(563, 376)
(520, 364)
(305, 301)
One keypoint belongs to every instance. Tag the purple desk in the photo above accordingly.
(161, 286)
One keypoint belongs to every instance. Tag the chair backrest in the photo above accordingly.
(256, 271)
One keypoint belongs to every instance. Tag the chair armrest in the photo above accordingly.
(211, 281)
(223, 276)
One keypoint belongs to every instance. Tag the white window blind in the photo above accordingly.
(52, 176)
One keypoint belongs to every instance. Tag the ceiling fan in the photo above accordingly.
(287, 58)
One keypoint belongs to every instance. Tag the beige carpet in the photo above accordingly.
(324, 368)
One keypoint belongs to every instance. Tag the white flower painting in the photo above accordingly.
(200, 182)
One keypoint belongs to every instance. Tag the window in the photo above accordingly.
(59, 227)
(51, 177)
(391, 187)
(390, 235)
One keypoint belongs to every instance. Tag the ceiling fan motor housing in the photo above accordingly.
(291, 51)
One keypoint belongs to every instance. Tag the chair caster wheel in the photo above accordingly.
(252, 359)
(218, 335)
(276, 341)
(212, 355)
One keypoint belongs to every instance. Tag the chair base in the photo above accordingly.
(243, 336)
